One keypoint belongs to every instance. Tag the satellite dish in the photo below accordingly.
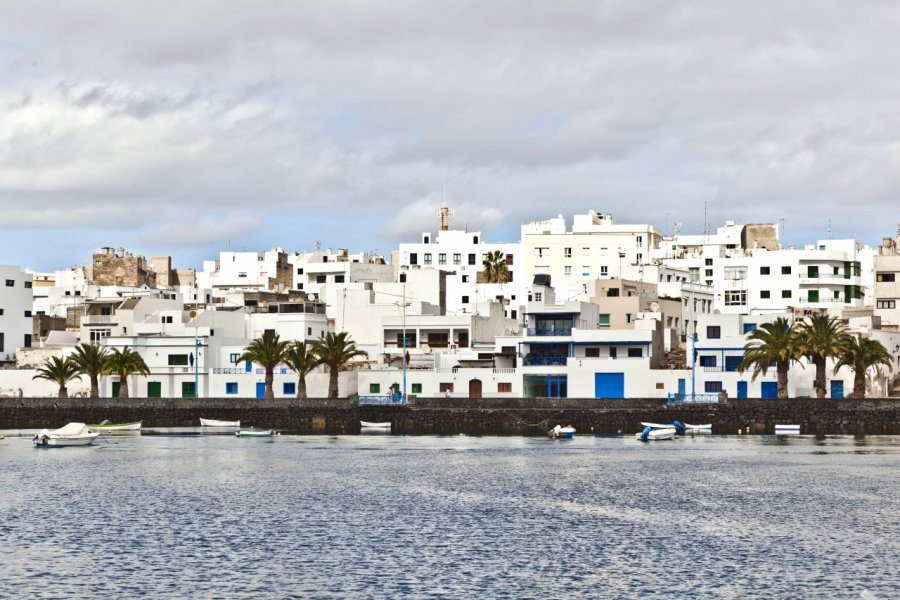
(654, 307)
(312, 297)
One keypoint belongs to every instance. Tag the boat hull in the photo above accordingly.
(375, 425)
(656, 434)
(59, 442)
(136, 426)
(267, 433)
(220, 424)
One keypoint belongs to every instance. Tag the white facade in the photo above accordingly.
(246, 270)
(16, 323)
(314, 272)
(886, 295)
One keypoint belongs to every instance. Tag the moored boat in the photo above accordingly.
(73, 434)
(106, 426)
(706, 427)
(254, 433)
(220, 424)
(787, 429)
(658, 433)
(375, 424)
(561, 433)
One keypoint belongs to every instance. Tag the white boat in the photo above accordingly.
(561, 433)
(375, 424)
(73, 434)
(106, 426)
(787, 429)
(254, 433)
(659, 433)
(698, 428)
(216, 423)
(657, 425)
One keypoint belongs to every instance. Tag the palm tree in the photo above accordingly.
(91, 360)
(301, 358)
(495, 269)
(861, 355)
(772, 343)
(336, 350)
(822, 337)
(125, 363)
(268, 351)
(60, 371)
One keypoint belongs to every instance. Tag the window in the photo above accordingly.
(592, 352)
(586, 271)
(708, 360)
(504, 387)
(188, 390)
(299, 286)
(233, 357)
(98, 334)
(713, 387)
(585, 251)
(10, 283)
(736, 298)
(178, 360)
(639, 257)
(321, 278)
(765, 294)
(289, 388)
(231, 388)
(885, 277)
(603, 321)
(471, 259)
(374, 388)
(709, 272)
(764, 270)
(428, 259)
(695, 274)
(509, 260)
(339, 279)
(465, 299)
(538, 296)
(442, 258)
(735, 273)
(541, 252)
(812, 296)
(567, 270)
(446, 387)
(416, 388)
(785, 270)
(635, 352)
(167, 319)
(413, 258)
(309, 331)
(27, 284)
(785, 293)
(402, 277)
(465, 279)
(457, 259)
(604, 271)
(708, 262)
(713, 332)
(639, 239)
(299, 271)
(749, 327)
(567, 252)
(27, 313)
(612, 293)
(886, 304)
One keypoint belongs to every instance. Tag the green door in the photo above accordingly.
(115, 390)
(154, 389)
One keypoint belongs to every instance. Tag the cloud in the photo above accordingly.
(205, 231)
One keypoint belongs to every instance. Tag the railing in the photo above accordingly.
(281, 371)
(230, 371)
(98, 320)
(549, 331)
(533, 361)
(693, 399)
(381, 399)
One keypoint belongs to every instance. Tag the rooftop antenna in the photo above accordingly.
(318, 245)
(829, 229)
(705, 223)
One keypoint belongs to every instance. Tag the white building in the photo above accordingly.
(16, 323)
(260, 271)
(313, 272)
(886, 295)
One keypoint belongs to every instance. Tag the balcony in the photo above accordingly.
(99, 320)
(545, 361)
(542, 331)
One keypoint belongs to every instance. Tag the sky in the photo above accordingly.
(190, 127)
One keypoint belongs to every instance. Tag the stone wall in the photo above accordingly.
(493, 416)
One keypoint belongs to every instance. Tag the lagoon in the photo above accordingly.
(187, 515)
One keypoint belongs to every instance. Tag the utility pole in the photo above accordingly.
(403, 306)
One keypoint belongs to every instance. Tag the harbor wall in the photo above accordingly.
(485, 416)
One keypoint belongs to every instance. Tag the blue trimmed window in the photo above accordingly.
(749, 327)
(290, 388)
(233, 357)
(231, 387)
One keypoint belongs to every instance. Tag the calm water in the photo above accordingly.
(422, 517)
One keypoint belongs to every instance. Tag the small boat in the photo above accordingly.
(707, 427)
(216, 423)
(375, 424)
(254, 433)
(561, 433)
(106, 426)
(679, 427)
(658, 433)
(787, 429)
(73, 434)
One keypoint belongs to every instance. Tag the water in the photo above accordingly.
(422, 517)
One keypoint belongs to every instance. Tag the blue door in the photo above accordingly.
(260, 389)
(837, 388)
(742, 389)
(769, 389)
(248, 366)
(609, 385)
(682, 388)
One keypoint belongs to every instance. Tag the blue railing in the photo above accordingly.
(381, 399)
(693, 399)
(549, 331)
(544, 361)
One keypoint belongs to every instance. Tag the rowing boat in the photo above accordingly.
(253, 433)
(73, 434)
(106, 426)
(660, 433)
(375, 424)
(217, 423)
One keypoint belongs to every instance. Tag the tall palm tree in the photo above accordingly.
(300, 357)
(822, 337)
(268, 351)
(125, 363)
(495, 268)
(336, 350)
(60, 371)
(772, 343)
(91, 360)
(861, 355)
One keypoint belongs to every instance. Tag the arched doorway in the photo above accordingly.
(474, 388)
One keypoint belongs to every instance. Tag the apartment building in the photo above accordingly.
(16, 326)
(886, 295)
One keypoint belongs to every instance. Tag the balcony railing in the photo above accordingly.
(381, 399)
(693, 399)
(538, 361)
(98, 320)
(549, 331)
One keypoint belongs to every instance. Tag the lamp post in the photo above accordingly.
(403, 306)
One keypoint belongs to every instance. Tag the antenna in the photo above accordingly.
(705, 223)
(318, 245)
(829, 229)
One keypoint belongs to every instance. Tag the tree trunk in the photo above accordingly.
(333, 383)
(820, 376)
(270, 379)
(782, 371)
(301, 387)
(95, 387)
(123, 387)
(859, 384)
(63, 392)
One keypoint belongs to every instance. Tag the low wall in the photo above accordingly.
(489, 416)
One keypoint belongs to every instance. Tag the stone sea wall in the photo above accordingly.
(486, 416)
